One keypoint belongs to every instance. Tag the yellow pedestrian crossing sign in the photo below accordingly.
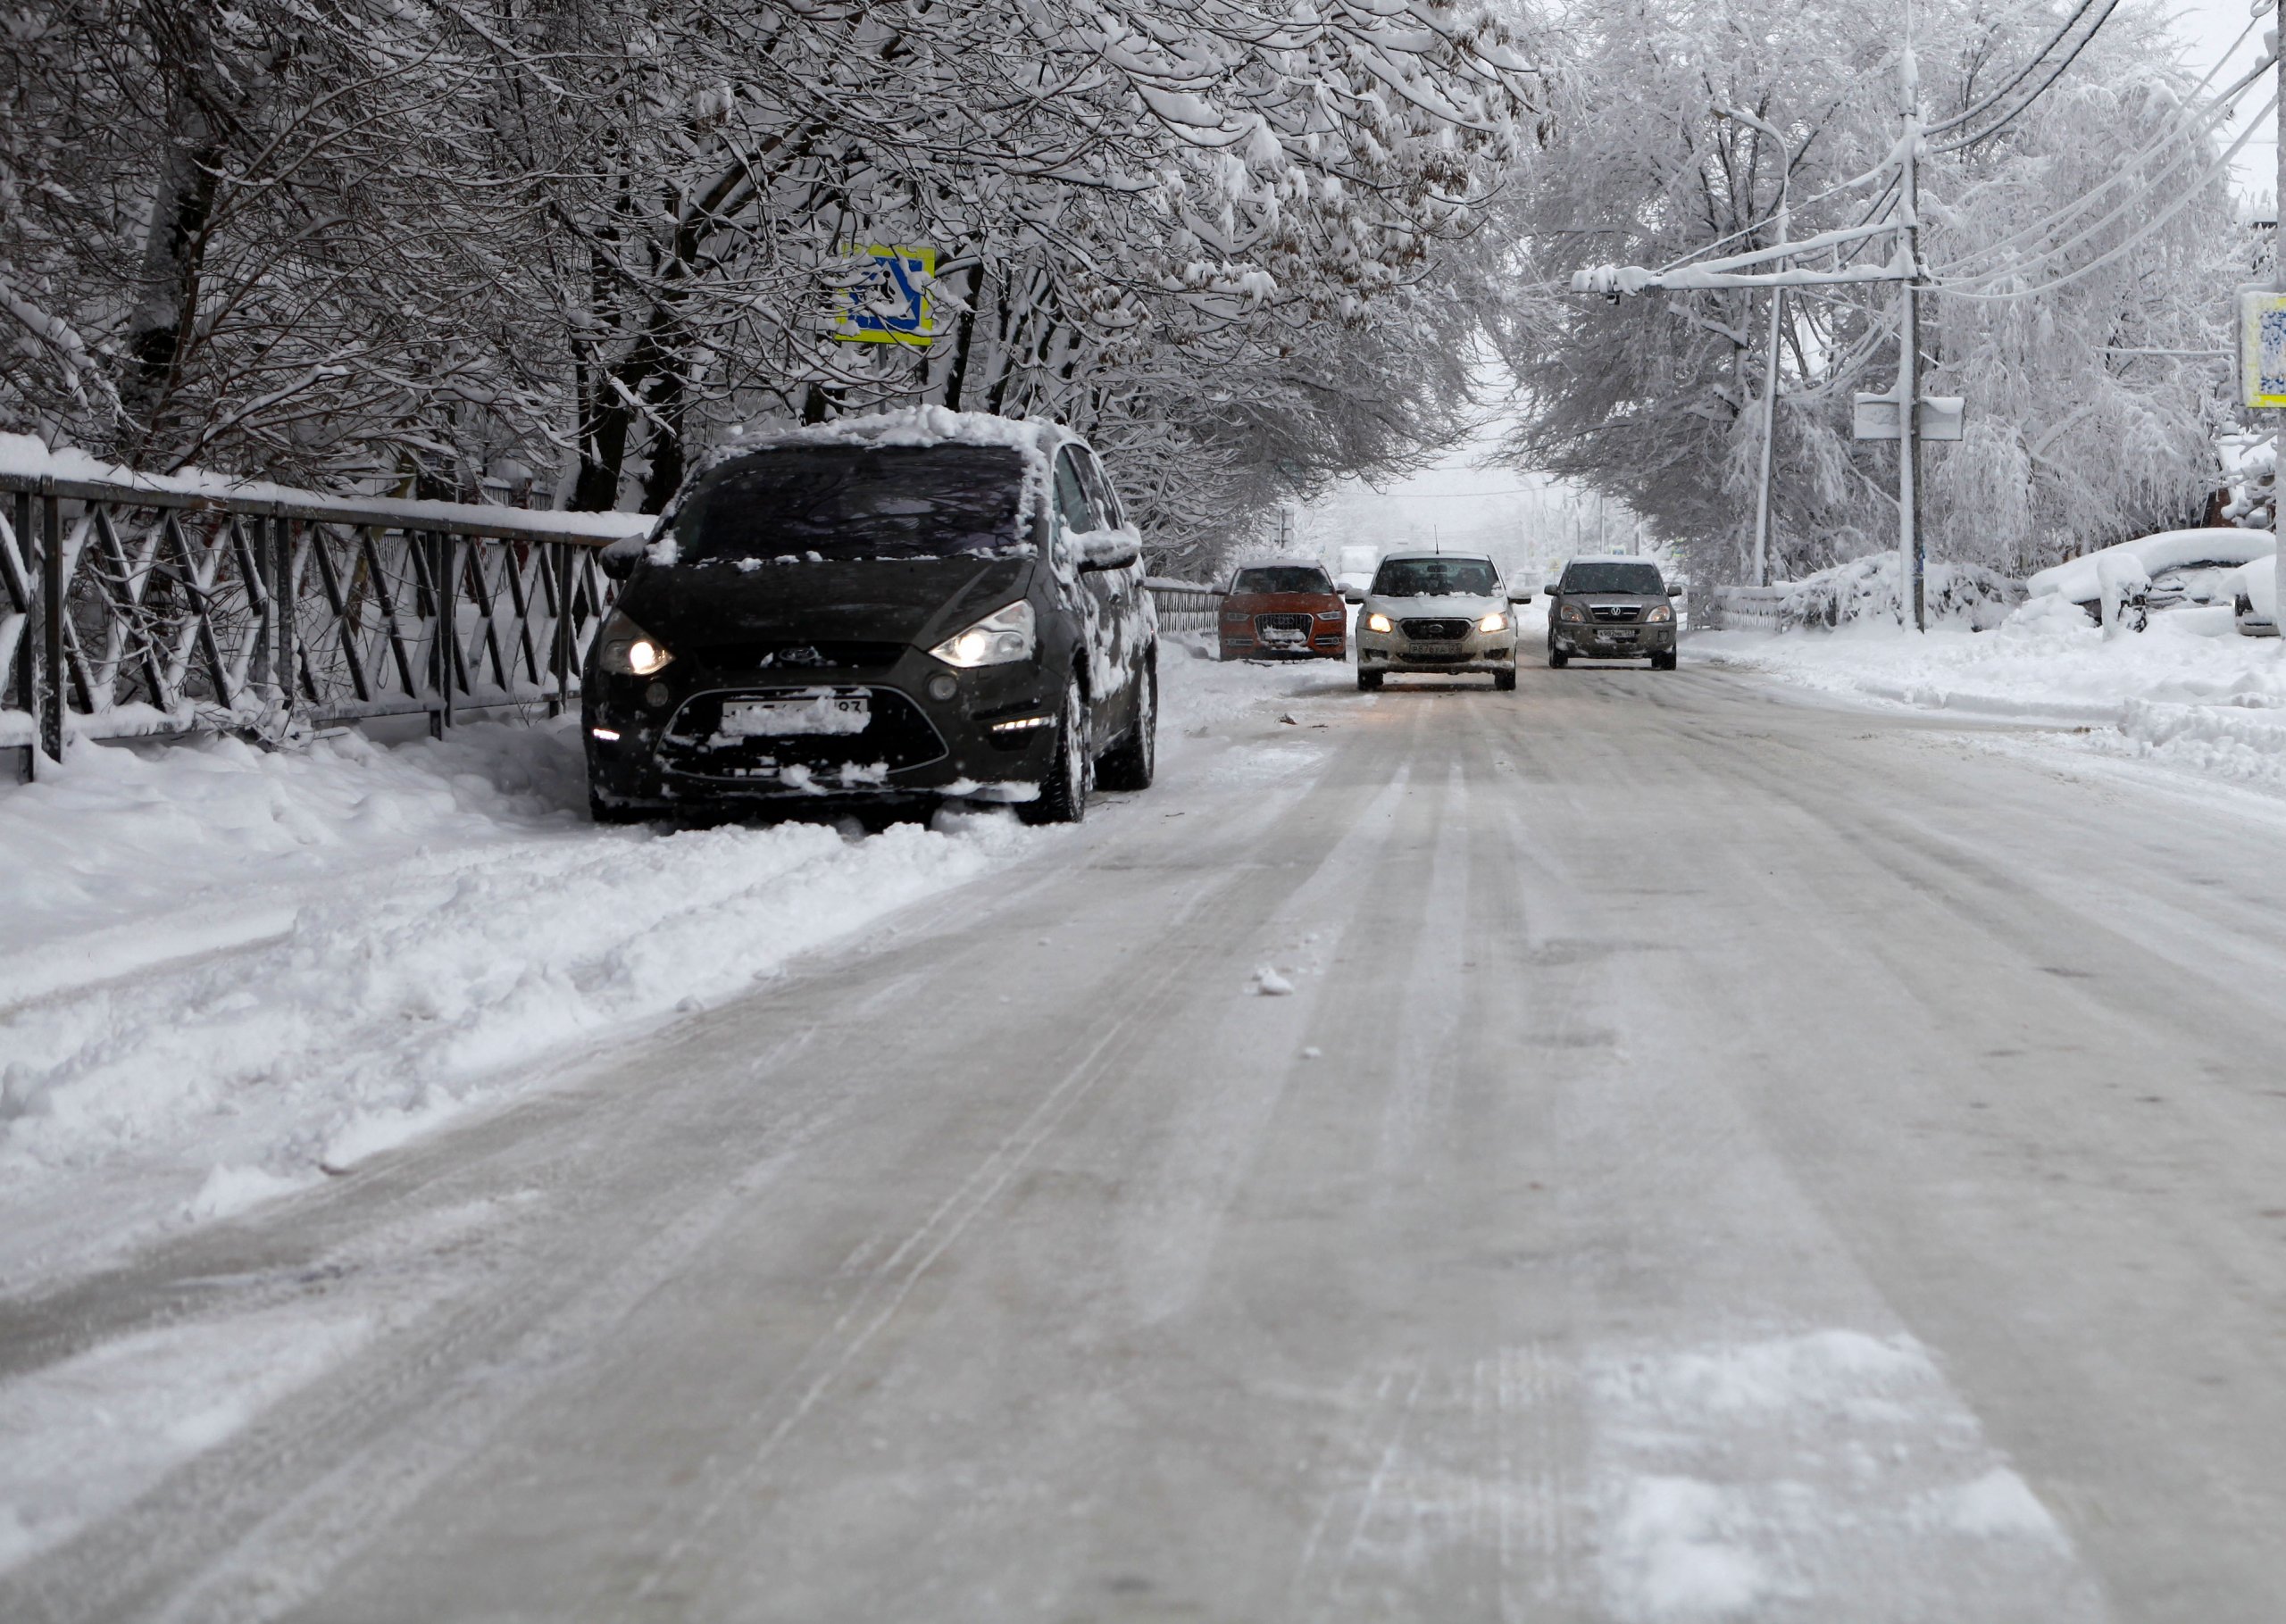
(887, 300)
(2262, 346)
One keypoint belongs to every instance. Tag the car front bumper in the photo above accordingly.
(992, 739)
(1393, 651)
(1593, 641)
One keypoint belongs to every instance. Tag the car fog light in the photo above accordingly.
(609, 735)
(657, 695)
(942, 688)
(1019, 724)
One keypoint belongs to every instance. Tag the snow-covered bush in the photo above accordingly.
(1865, 589)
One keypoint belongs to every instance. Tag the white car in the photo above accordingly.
(1435, 613)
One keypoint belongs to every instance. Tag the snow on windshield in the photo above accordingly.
(1613, 577)
(1437, 577)
(1294, 578)
(838, 501)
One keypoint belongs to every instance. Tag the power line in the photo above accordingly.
(2189, 195)
(2041, 90)
(2023, 73)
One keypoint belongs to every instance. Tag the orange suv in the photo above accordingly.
(1283, 611)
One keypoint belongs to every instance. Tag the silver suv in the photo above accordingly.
(1610, 608)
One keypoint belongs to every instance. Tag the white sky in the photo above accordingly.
(1523, 521)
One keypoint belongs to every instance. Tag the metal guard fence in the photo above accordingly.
(129, 608)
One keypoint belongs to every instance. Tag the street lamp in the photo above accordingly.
(1777, 313)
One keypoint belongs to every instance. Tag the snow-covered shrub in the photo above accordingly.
(1865, 589)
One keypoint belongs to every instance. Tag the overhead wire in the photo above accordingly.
(2188, 195)
(2022, 74)
(2126, 171)
(2039, 90)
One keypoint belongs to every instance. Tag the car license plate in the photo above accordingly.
(1444, 649)
(1283, 634)
(811, 713)
(1621, 636)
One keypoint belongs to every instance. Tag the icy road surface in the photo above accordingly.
(1717, 1156)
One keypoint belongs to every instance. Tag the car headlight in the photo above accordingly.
(1378, 622)
(1000, 638)
(1328, 614)
(627, 650)
(1571, 612)
(1495, 622)
(1660, 611)
(1239, 616)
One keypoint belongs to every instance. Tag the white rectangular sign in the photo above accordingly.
(1942, 416)
(2262, 346)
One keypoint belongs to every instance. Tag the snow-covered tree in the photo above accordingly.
(2077, 434)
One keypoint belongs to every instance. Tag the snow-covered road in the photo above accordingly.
(1720, 1156)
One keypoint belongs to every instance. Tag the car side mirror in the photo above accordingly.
(618, 560)
(1352, 594)
(1109, 550)
(1674, 592)
(1549, 589)
(1520, 595)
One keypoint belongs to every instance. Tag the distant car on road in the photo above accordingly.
(908, 608)
(1437, 613)
(1283, 612)
(1610, 608)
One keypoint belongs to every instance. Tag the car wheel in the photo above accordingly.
(1368, 682)
(1505, 681)
(1071, 771)
(1557, 658)
(1665, 662)
(1131, 763)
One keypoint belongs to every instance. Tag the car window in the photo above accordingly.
(1281, 578)
(1613, 577)
(1100, 495)
(1071, 504)
(854, 502)
(1436, 577)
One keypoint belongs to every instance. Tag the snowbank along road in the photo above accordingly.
(1644, 1147)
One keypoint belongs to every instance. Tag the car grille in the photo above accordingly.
(1616, 611)
(1436, 631)
(897, 735)
(833, 655)
(1281, 622)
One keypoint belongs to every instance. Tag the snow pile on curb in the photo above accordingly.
(230, 970)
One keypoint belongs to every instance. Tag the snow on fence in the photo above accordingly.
(143, 606)
(1865, 588)
(1185, 606)
(1749, 609)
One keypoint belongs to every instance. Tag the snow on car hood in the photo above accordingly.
(2218, 544)
(1470, 603)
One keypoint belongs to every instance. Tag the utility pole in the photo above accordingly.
(1911, 599)
(1770, 371)
(2278, 274)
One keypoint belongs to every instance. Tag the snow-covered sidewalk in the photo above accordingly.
(228, 972)
(2188, 694)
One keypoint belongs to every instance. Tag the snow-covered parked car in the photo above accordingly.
(2185, 566)
(901, 609)
(2254, 599)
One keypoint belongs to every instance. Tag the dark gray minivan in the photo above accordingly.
(1610, 608)
(881, 612)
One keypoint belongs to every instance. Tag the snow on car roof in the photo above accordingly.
(1609, 558)
(2076, 578)
(1465, 558)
